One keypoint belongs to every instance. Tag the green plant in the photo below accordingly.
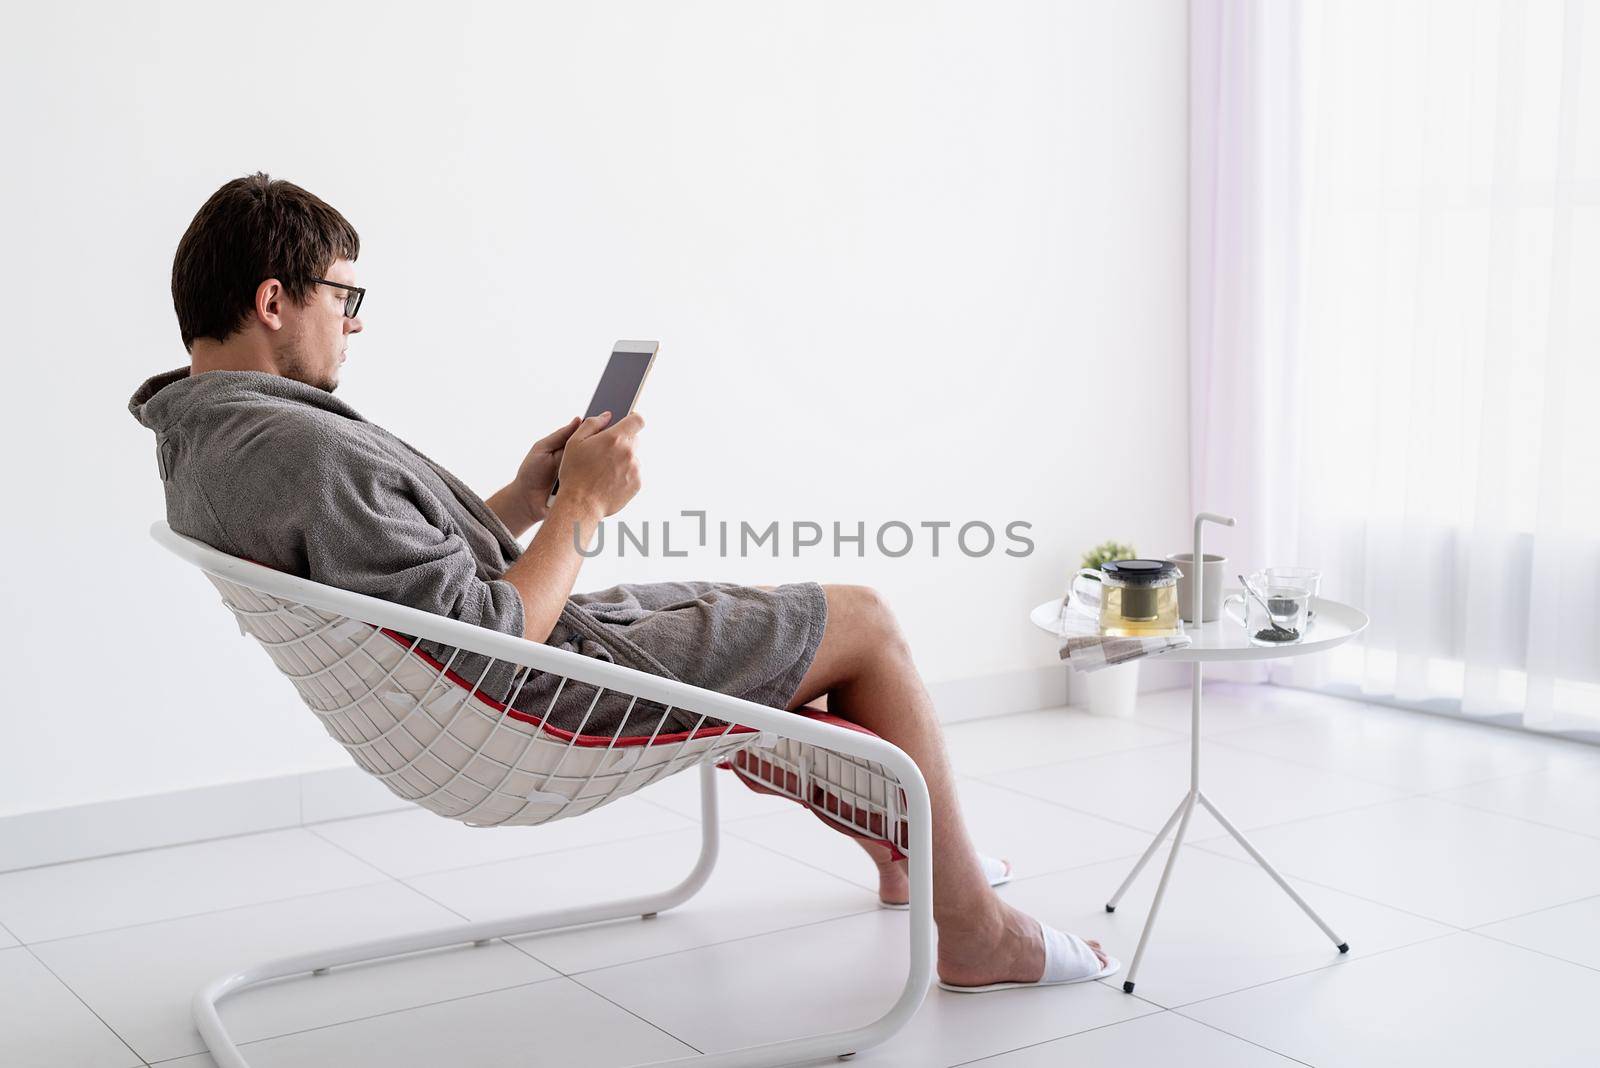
(1107, 551)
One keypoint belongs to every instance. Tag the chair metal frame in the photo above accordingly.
(854, 746)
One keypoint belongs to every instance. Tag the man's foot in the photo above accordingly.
(894, 884)
(894, 880)
(1007, 947)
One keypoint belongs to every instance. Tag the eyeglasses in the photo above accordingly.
(352, 296)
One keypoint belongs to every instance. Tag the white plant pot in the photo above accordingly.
(1113, 690)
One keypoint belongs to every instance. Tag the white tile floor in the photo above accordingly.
(1461, 862)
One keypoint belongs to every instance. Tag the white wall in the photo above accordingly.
(893, 253)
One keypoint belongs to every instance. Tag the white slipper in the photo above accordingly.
(998, 871)
(1067, 959)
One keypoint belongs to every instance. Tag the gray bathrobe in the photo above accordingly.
(282, 473)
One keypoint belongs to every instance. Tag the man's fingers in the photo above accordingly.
(590, 427)
(631, 424)
(557, 437)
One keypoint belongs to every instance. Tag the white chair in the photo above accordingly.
(431, 738)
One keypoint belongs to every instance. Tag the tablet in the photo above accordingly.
(620, 385)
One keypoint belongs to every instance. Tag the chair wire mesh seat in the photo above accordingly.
(432, 738)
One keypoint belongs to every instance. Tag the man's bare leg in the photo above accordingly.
(894, 884)
(865, 668)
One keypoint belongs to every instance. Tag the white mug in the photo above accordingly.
(1213, 565)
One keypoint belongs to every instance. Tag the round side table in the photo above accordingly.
(1333, 624)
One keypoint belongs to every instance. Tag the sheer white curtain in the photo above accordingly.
(1395, 356)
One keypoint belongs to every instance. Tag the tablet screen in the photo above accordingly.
(619, 386)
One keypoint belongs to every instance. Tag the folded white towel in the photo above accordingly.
(1084, 648)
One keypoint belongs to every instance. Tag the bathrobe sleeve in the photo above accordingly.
(340, 515)
(383, 538)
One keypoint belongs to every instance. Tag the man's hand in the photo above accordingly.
(600, 463)
(599, 474)
(538, 471)
(522, 503)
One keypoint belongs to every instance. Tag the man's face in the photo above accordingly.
(318, 332)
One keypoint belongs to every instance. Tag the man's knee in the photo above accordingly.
(869, 611)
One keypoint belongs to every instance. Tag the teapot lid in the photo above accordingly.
(1140, 572)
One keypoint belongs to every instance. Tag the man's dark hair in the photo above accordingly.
(252, 229)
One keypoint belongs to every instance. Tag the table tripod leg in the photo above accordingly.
(1161, 889)
(1238, 836)
(1150, 851)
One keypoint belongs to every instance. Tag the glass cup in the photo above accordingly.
(1277, 613)
(1309, 577)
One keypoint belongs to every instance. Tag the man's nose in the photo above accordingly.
(352, 326)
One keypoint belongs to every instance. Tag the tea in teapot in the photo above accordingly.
(1135, 598)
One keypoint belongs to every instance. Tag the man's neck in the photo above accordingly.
(238, 353)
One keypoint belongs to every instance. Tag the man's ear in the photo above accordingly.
(270, 300)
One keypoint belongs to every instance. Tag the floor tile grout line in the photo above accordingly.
(1493, 778)
(382, 877)
(1147, 832)
(805, 863)
(644, 1020)
(1113, 983)
(1226, 837)
(1210, 838)
(405, 879)
(1248, 1041)
(395, 878)
(1271, 757)
(1179, 734)
(1432, 795)
(658, 833)
(1534, 949)
(573, 976)
(1451, 723)
(401, 805)
(1271, 721)
(851, 915)
(1403, 796)
(1534, 912)
(712, 945)
(386, 1012)
(1158, 1011)
(720, 816)
(525, 856)
(1500, 812)
(1377, 782)
(1249, 862)
(217, 912)
(1205, 843)
(68, 987)
(284, 829)
(467, 919)
(1018, 879)
(1391, 704)
(512, 940)
(1308, 765)
(508, 940)
(1339, 961)
(1174, 740)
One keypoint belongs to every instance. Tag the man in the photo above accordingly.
(258, 459)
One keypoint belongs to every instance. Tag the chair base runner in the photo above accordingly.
(841, 1044)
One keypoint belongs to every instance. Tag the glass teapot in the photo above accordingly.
(1134, 598)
